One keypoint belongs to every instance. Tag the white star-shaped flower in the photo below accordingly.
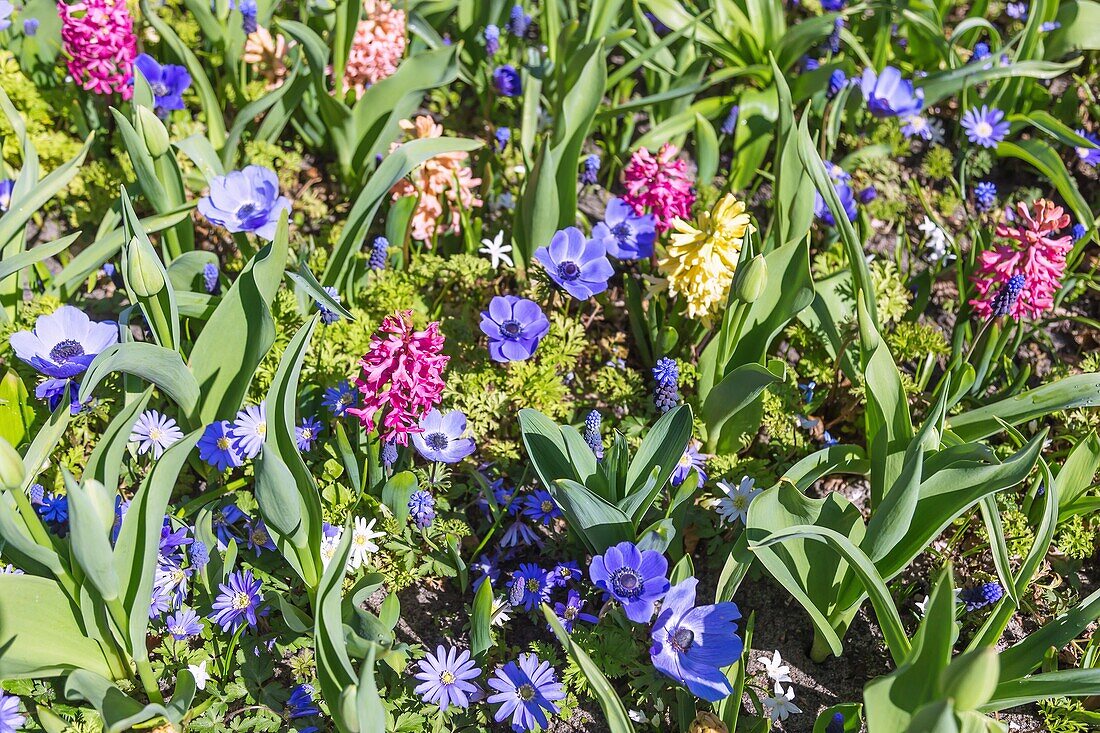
(362, 542)
(781, 704)
(734, 506)
(199, 673)
(774, 667)
(497, 250)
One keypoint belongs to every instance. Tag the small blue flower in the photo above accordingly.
(564, 573)
(378, 253)
(529, 586)
(1079, 232)
(329, 317)
(422, 508)
(836, 725)
(837, 81)
(339, 398)
(578, 265)
(1016, 11)
(667, 374)
(168, 82)
(388, 453)
(210, 279)
(624, 234)
(889, 95)
(6, 9)
(6, 186)
(515, 326)
(540, 507)
(54, 510)
(833, 6)
(985, 195)
(502, 136)
(491, 34)
(30, 27)
(525, 689)
(807, 391)
(1089, 156)
(979, 596)
(250, 430)
(506, 81)
(446, 678)
(200, 554)
(301, 704)
(257, 537)
(519, 533)
(590, 170)
(810, 64)
(1007, 295)
(844, 192)
(691, 459)
(183, 624)
(868, 194)
(216, 446)
(518, 21)
(306, 433)
(1050, 25)
(985, 126)
(981, 51)
(488, 569)
(571, 611)
(729, 125)
(592, 432)
(248, 16)
(238, 602)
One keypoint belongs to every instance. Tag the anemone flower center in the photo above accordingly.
(511, 329)
(437, 441)
(447, 678)
(546, 507)
(571, 612)
(533, 585)
(223, 443)
(626, 583)
(241, 601)
(156, 435)
(246, 210)
(160, 89)
(621, 232)
(65, 350)
(681, 639)
(526, 692)
(569, 271)
(259, 537)
(983, 129)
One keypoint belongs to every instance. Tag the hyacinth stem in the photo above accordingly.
(141, 661)
(820, 651)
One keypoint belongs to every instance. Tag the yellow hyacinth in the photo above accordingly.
(701, 260)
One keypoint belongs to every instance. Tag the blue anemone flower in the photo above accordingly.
(63, 343)
(515, 326)
(526, 690)
(247, 200)
(985, 126)
(636, 578)
(168, 82)
(506, 81)
(889, 94)
(216, 446)
(578, 265)
(623, 233)
(529, 586)
(339, 398)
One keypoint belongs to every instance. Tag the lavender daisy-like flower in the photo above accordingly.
(306, 433)
(183, 624)
(441, 437)
(526, 690)
(691, 458)
(506, 81)
(216, 446)
(572, 611)
(154, 432)
(692, 644)
(238, 601)
(529, 586)
(445, 678)
(519, 533)
(247, 200)
(733, 505)
(889, 94)
(1089, 156)
(64, 342)
(11, 719)
(250, 430)
(577, 265)
(563, 573)
(224, 522)
(623, 233)
(515, 326)
(635, 578)
(168, 82)
(985, 126)
(540, 507)
(339, 398)
(257, 537)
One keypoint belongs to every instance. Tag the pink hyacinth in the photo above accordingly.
(378, 46)
(660, 184)
(1030, 250)
(99, 40)
(401, 376)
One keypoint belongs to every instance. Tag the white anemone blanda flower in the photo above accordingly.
(362, 542)
(154, 432)
(734, 506)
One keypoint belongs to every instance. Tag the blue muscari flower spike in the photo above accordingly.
(379, 250)
(502, 136)
(1007, 296)
(981, 51)
(590, 171)
(985, 195)
(422, 508)
(1079, 231)
(491, 34)
(210, 278)
(1051, 25)
(592, 432)
(518, 21)
(248, 15)
(730, 123)
(833, 42)
(30, 26)
(979, 596)
(200, 554)
(836, 725)
(667, 394)
(389, 452)
(837, 81)
(35, 493)
(810, 64)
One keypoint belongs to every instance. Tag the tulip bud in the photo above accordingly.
(707, 722)
(11, 467)
(143, 275)
(153, 130)
(752, 279)
(971, 678)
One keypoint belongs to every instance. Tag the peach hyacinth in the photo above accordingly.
(378, 46)
(267, 56)
(446, 178)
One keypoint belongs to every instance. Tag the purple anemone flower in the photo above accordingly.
(540, 507)
(1089, 156)
(257, 537)
(635, 578)
(183, 624)
(889, 95)
(445, 678)
(441, 437)
(237, 602)
(985, 126)
(564, 572)
(577, 265)
(246, 201)
(339, 398)
(529, 587)
(11, 719)
(843, 191)
(514, 327)
(692, 458)
(624, 234)
(64, 342)
(691, 644)
(526, 690)
(168, 82)
(216, 446)
(571, 611)
(306, 433)
(6, 185)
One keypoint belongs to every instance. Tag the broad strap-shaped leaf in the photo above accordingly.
(839, 458)
(662, 447)
(121, 712)
(546, 447)
(599, 523)
(1063, 683)
(1025, 656)
(106, 460)
(1070, 393)
(733, 393)
(16, 262)
(155, 364)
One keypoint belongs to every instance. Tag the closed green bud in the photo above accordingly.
(153, 130)
(143, 275)
(971, 678)
(11, 467)
(752, 279)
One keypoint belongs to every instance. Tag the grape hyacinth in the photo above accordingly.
(518, 21)
(506, 81)
(979, 596)
(329, 317)
(210, 278)
(985, 195)
(592, 432)
(1006, 297)
(667, 374)
(502, 136)
(589, 170)
(729, 125)
(491, 34)
(378, 252)
(422, 508)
